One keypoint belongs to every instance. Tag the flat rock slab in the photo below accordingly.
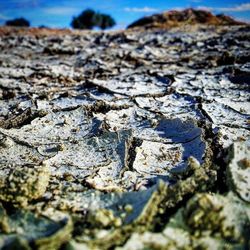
(135, 85)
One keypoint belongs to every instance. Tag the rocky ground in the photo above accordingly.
(125, 140)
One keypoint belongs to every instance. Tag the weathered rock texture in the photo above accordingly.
(121, 139)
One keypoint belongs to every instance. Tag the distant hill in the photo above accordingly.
(176, 18)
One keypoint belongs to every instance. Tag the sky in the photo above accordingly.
(59, 13)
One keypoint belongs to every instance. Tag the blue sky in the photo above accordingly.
(59, 13)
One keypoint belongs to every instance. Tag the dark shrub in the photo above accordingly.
(20, 22)
(106, 21)
(89, 19)
(86, 20)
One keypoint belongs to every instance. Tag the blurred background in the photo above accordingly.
(109, 14)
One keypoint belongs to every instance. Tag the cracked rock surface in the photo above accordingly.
(125, 140)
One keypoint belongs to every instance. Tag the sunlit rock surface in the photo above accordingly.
(125, 140)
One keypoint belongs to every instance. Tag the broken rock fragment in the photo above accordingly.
(27, 230)
(20, 184)
(135, 85)
(239, 169)
(112, 217)
(56, 127)
(207, 221)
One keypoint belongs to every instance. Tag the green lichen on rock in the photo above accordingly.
(218, 216)
(28, 230)
(20, 184)
(4, 225)
(126, 213)
(112, 218)
(208, 221)
(104, 218)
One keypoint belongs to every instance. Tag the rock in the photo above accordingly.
(206, 221)
(20, 184)
(239, 169)
(56, 128)
(111, 220)
(135, 85)
(28, 230)
(211, 209)
(119, 139)
(188, 16)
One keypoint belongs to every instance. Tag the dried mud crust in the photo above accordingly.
(120, 139)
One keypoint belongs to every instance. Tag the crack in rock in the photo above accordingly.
(118, 140)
